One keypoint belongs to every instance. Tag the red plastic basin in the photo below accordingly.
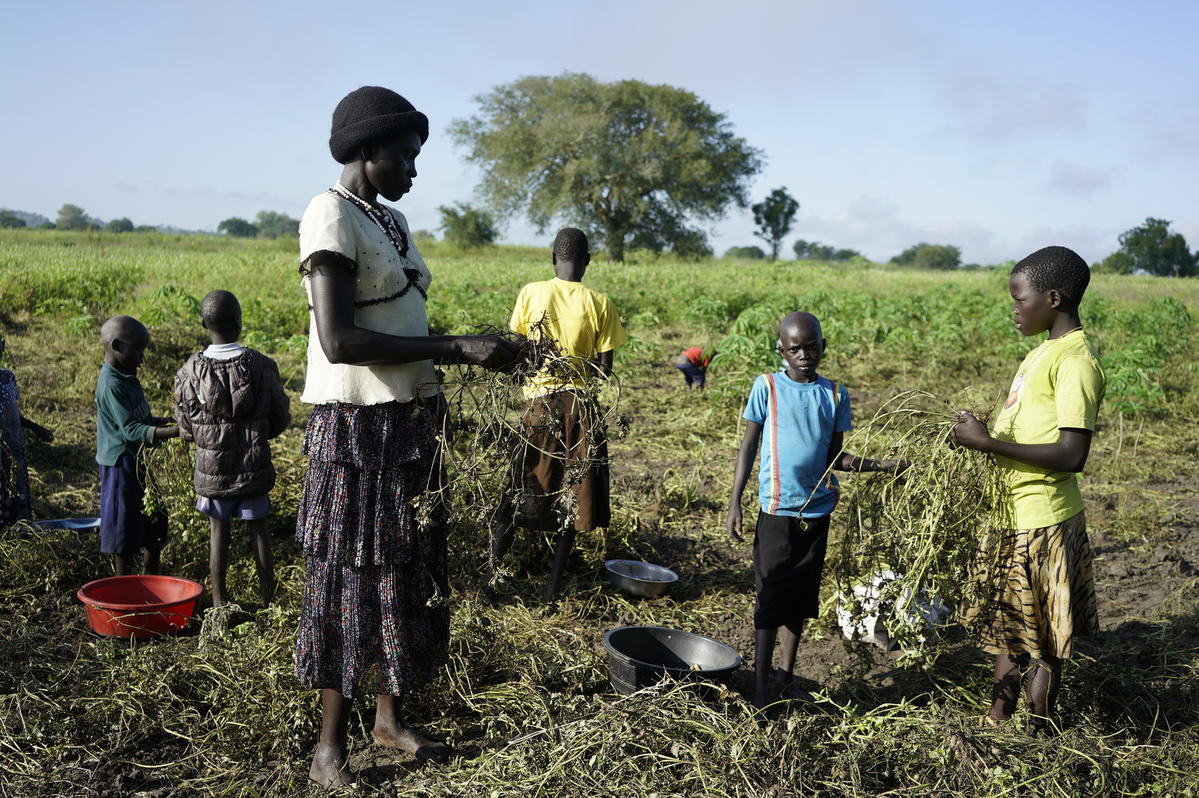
(139, 606)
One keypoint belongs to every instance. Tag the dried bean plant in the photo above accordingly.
(484, 436)
(929, 527)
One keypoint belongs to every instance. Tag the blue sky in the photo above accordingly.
(998, 127)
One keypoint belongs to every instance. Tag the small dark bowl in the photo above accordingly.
(640, 656)
(640, 578)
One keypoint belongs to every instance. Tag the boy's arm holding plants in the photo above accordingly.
(602, 363)
(844, 461)
(745, 459)
(147, 430)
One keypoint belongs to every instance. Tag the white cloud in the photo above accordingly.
(995, 109)
(1077, 179)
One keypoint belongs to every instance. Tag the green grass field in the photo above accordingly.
(525, 696)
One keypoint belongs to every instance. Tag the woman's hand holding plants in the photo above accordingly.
(489, 351)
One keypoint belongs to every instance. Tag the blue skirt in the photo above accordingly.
(124, 528)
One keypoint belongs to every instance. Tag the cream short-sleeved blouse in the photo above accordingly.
(384, 299)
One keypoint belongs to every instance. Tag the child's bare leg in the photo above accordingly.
(785, 674)
(788, 645)
(566, 540)
(153, 561)
(502, 533)
(218, 557)
(120, 565)
(260, 544)
(763, 662)
(392, 732)
(1041, 689)
(1006, 686)
(330, 760)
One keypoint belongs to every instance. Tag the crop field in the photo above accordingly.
(525, 698)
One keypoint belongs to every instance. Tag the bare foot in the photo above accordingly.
(330, 767)
(407, 739)
(793, 692)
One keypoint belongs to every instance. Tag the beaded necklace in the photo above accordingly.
(382, 219)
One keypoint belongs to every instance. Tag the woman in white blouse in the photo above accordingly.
(374, 615)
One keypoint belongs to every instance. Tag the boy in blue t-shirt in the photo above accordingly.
(805, 417)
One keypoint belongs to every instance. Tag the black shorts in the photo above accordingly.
(788, 562)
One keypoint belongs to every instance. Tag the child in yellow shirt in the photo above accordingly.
(559, 432)
(1043, 588)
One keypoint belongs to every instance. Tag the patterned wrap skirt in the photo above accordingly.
(1042, 592)
(562, 467)
(373, 526)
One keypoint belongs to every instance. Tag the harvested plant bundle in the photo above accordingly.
(168, 472)
(919, 541)
(486, 434)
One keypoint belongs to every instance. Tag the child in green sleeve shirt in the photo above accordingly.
(123, 426)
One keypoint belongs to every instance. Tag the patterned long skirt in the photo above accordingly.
(372, 523)
(1043, 592)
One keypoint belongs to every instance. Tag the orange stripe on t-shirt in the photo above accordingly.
(776, 487)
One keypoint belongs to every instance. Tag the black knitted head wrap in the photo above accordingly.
(371, 113)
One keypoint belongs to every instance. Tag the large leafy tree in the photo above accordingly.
(1155, 249)
(774, 216)
(637, 161)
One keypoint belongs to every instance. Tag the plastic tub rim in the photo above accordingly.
(138, 608)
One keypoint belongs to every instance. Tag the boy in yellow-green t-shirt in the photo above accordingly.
(1043, 589)
(561, 479)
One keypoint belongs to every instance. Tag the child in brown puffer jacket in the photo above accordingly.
(229, 401)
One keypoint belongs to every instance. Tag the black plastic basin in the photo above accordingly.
(640, 656)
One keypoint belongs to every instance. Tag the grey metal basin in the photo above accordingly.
(639, 656)
(639, 578)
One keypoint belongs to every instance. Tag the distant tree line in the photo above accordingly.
(814, 250)
(268, 224)
(939, 257)
(70, 217)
